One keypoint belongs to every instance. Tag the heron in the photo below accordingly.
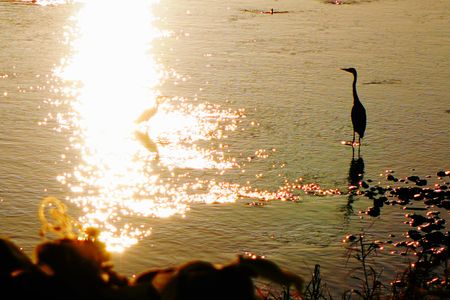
(359, 118)
(145, 116)
(149, 113)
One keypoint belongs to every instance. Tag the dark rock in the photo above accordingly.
(431, 201)
(370, 194)
(417, 220)
(413, 178)
(441, 174)
(440, 222)
(390, 177)
(381, 190)
(378, 202)
(433, 213)
(373, 211)
(402, 193)
(435, 237)
(445, 204)
(414, 235)
(421, 182)
(429, 227)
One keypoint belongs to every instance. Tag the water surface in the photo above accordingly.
(246, 104)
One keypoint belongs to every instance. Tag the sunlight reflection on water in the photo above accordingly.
(142, 154)
(127, 169)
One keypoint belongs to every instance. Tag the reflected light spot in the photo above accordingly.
(135, 154)
(132, 143)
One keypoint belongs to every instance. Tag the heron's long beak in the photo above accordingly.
(344, 69)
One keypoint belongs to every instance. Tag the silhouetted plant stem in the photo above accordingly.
(315, 288)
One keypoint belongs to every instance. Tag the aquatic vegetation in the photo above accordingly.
(316, 289)
(426, 245)
(370, 282)
(401, 193)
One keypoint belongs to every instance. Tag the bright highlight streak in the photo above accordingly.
(129, 172)
(139, 154)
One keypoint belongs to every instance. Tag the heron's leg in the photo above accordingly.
(359, 146)
(353, 142)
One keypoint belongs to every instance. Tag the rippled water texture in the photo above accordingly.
(201, 130)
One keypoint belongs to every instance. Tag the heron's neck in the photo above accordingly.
(355, 94)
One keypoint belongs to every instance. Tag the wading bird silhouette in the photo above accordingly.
(149, 113)
(359, 118)
(143, 137)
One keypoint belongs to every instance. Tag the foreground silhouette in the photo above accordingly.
(81, 269)
(359, 118)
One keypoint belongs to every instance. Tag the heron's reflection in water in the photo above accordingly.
(355, 176)
(356, 172)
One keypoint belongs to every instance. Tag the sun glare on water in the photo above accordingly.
(134, 154)
(130, 139)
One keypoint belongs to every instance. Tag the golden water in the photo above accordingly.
(182, 129)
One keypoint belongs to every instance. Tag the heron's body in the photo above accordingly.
(359, 117)
(149, 113)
